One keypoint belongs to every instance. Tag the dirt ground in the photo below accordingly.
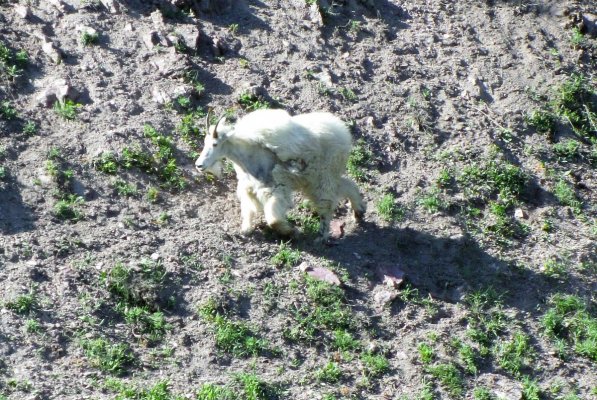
(426, 86)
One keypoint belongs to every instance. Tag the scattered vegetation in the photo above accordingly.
(388, 209)
(67, 109)
(107, 356)
(360, 158)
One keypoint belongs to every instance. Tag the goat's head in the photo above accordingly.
(212, 154)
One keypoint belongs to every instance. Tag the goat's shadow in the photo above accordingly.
(444, 268)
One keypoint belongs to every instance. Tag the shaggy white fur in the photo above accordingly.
(275, 154)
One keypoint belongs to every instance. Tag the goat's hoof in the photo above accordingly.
(359, 215)
(246, 231)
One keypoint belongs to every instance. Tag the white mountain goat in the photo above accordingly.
(275, 155)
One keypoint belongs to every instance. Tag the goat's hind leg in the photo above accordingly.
(348, 189)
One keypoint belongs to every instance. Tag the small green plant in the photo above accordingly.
(286, 256)
(251, 102)
(153, 324)
(210, 391)
(426, 353)
(330, 373)
(431, 201)
(568, 320)
(567, 150)
(107, 356)
(233, 28)
(481, 393)
(449, 377)
(360, 158)
(254, 388)
(107, 163)
(89, 38)
(23, 304)
(325, 310)
(577, 39)
(67, 109)
(67, 208)
(234, 337)
(344, 341)
(388, 210)
(375, 365)
(515, 354)
(124, 188)
(542, 120)
(30, 128)
(566, 195)
(32, 326)
(153, 194)
(348, 94)
(530, 389)
(7, 111)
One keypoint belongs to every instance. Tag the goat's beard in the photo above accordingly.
(216, 169)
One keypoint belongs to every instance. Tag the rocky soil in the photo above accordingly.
(431, 89)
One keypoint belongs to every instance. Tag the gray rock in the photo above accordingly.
(153, 39)
(22, 11)
(52, 51)
(56, 90)
(171, 64)
(111, 5)
(163, 94)
(588, 25)
(189, 34)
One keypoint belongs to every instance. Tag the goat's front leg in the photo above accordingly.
(249, 207)
(275, 208)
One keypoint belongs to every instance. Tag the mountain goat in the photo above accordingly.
(275, 154)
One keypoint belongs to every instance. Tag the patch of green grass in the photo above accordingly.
(359, 159)
(107, 356)
(254, 388)
(388, 209)
(348, 94)
(431, 201)
(7, 111)
(32, 326)
(449, 378)
(567, 150)
(126, 391)
(234, 337)
(329, 373)
(530, 389)
(426, 353)
(125, 189)
(569, 321)
(564, 192)
(542, 120)
(134, 286)
(375, 365)
(325, 309)
(23, 304)
(67, 208)
(555, 268)
(210, 391)
(143, 321)
(486, 319)
(251, 102)
(344, 341)
(515, 354)
(67, 109)
(190, 128)
(285, 256)
(481, 393)
(89, 39)
(494, 179)
(107, 163)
